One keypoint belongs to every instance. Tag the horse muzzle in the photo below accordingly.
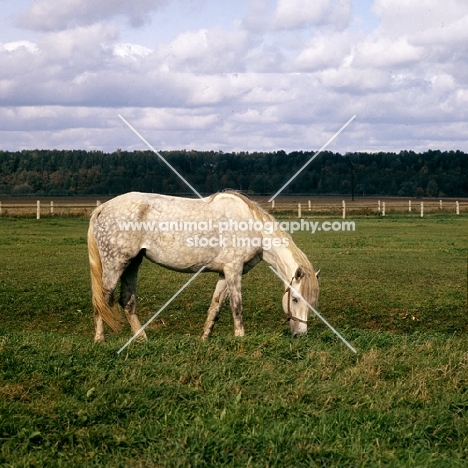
(297, 328)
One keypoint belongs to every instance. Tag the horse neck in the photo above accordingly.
(282, 260)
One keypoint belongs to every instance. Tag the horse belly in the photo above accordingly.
(180, 253)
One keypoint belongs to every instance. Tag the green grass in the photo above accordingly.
(396, 288)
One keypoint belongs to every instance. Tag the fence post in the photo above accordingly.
(457, 207)
(51, 207)
(383, 209)
(272, 204)
(409, 206)
(38, 210)
(299, 210)
(440, 204)
(0, 207)
(422, 209)
(98, 202)
(310, 206)
(344, 209)
(378, 206)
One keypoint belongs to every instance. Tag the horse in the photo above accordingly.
(225, 233)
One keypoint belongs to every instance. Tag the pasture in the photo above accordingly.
(396, 288)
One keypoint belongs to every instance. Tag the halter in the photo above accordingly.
(291, 316)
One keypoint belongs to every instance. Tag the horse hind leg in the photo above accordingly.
(128, 285)
(110, 279)
(215, 307)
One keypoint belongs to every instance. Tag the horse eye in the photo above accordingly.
(295, 299)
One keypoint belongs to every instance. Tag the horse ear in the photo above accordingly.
(299, 273)
(317, 274)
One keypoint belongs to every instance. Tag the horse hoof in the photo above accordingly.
(141, 338)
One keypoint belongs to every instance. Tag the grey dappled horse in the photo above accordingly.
(225, 233)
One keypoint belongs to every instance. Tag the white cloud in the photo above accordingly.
(128, 50)
(29, 46)
(256, 117)
(450, 34)
(410, 18)
(268, 93)
(258, 16)
(205, 51)
(296, 14)
(79, 47)
(443, 82)
(326, 50)
(384, 52)
(175, 119)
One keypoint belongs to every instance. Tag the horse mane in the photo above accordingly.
(256, 210)
(308, 287)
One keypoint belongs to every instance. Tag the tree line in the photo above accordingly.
(77, 172)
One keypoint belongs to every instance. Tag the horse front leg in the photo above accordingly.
(99, 328)
(233, 277)
(215, 306)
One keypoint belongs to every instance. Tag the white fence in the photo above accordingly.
(287, 206)
(380, 207)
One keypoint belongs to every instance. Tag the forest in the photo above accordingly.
(78, 172)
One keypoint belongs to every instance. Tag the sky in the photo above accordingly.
(244, 75)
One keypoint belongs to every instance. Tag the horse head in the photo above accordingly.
(302, 291)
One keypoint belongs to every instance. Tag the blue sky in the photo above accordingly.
(247, 75)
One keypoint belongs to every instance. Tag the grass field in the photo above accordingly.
(396, 288)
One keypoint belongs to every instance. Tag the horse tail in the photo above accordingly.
(109, 312)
